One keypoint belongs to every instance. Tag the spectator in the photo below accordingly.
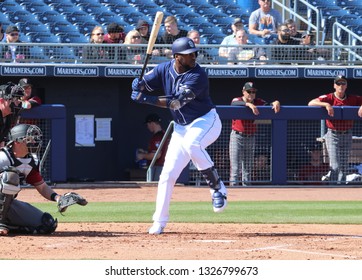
(292, 26)
(96, 53)
(339, 134)
(242, 137)
(261, 169)
(133, 55)
(243, 54)
(171, 34)
(14, 53)
(230, 39)
(115, 35)
(315, 169)
(284, 39)
(202, 55)
(143, 28)
(264, 22)
(153, 122)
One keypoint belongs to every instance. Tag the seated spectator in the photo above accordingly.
(10, 52)
(133, 55)
(171, 34)
(202, 55)
(264, 22)
(115, 34)
(143, 28)
(292, 26)
(244, 54)
(315, 169)
(97, 53)
(288, 54)
(230, 39)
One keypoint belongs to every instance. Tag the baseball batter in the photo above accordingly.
(197, 124)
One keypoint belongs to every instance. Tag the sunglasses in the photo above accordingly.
(99, 34)
(251, 91)
(286, 30)
(341, 83)
(136, 37)
(14, 34)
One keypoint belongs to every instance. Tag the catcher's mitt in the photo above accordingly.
(69, 199)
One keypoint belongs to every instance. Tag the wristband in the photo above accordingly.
(52, 197)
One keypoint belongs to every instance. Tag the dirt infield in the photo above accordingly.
(130, 241)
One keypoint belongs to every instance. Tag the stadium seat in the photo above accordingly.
(223, 21)
(79, 17)
(21, 16)
(121, 10)
(44, 38)
(87, 27)
(132, 18)
(165, 2)
(178, 9)
(62, 27)
(37, 53)
(62, 54)
(221, 3)
(66, 8)
(150, 10)
(235, 11)
(215, 38)
(209, 28)
(113, 2)
(72, 38)
(51, 16)
(94, 8)
(34, 26)
(206, 10)
(107, 17)
(37, 7)
(193, 18)
(10, 6)
(5, 21)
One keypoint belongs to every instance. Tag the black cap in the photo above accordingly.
(25, 82)
(142, 23)
(11, 28)
(249, 86)
(114, 28)
(153, 118)
(340, 78)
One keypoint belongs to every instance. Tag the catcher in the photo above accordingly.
(18, 162)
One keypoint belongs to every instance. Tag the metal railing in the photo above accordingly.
(209, 54)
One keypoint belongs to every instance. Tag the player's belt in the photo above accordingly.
(243, 133)
(339, 131)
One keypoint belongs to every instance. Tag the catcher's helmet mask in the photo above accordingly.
(31, 135)
(184, 45)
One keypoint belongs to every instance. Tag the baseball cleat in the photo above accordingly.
(156, 229)
(219, 201)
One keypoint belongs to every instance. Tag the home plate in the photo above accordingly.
(214, 241)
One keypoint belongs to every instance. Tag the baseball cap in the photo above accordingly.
(340, 78)
(142, 23)
(114, 28)
(238, 21)
(11, 28)
(249, 86)
(24, 82)
(153, 118)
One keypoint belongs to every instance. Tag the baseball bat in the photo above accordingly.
(151, 42)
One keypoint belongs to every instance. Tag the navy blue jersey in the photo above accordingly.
(164, 76)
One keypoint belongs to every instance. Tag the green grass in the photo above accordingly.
(299, 212)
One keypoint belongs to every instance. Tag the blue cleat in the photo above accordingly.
(219, 201)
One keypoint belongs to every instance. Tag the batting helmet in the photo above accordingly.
(183, 45)
(27, 133)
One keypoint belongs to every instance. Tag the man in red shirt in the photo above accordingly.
(153, 122)
(339, 134)
(242, 137)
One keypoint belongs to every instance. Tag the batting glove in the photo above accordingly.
(138, 85)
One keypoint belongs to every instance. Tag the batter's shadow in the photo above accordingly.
(93, 233)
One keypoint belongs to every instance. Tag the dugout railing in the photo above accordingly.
(52, 121)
